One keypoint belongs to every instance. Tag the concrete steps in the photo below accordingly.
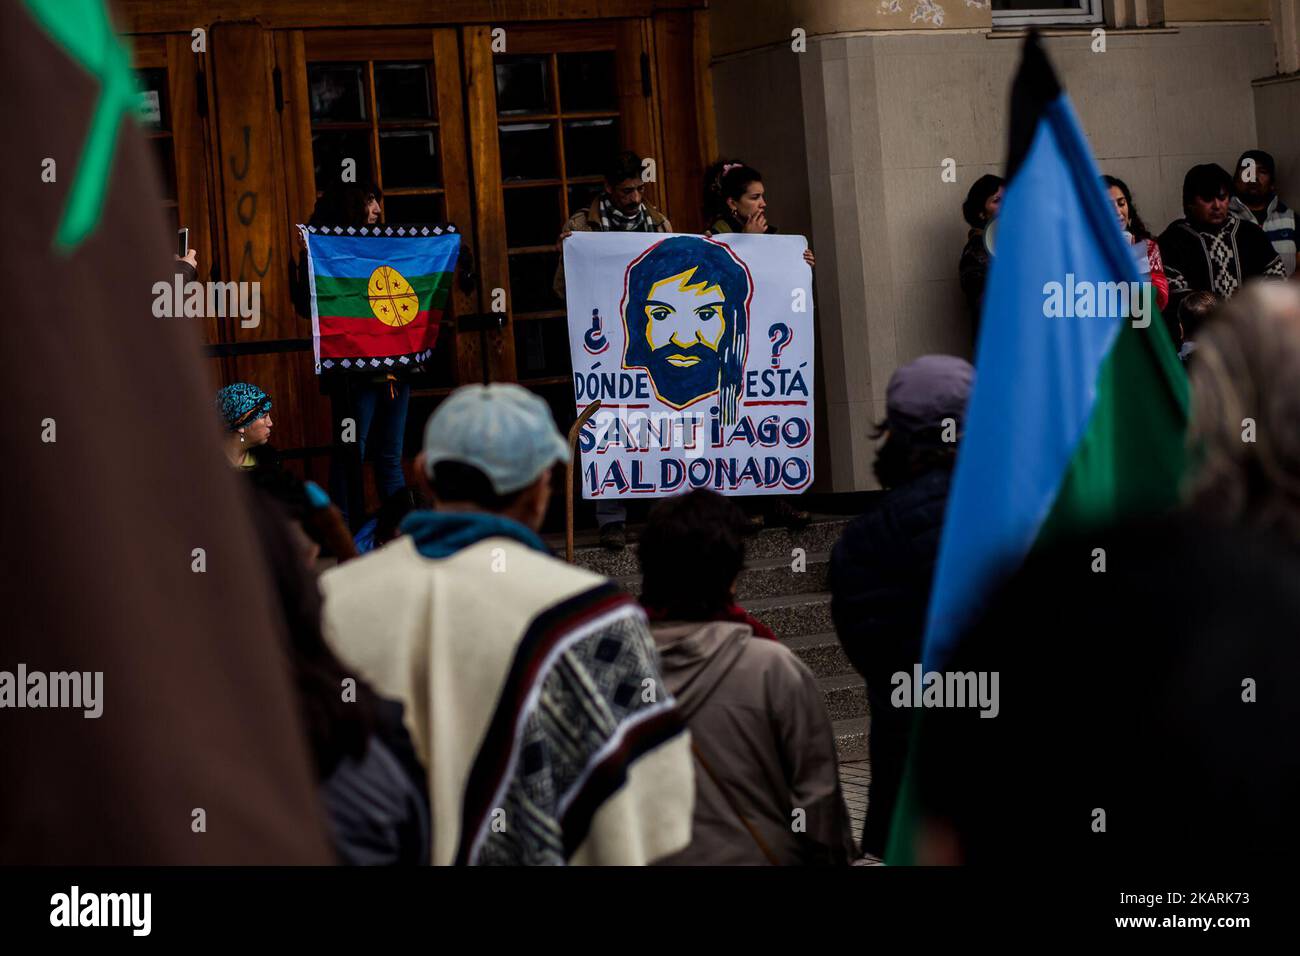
(793, 615)
(850, 738)
(795, 604)
(821, 654)
(845, 696)
(818, 538)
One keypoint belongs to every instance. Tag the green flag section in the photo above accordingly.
(352, 298)
(1132, 455)
(82, 28)
(1077, 416)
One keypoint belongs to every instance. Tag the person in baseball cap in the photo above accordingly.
(490, 448)
(882, 566)
(520, 675)
(505, 431)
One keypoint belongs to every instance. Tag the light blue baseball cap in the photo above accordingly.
(503, 430)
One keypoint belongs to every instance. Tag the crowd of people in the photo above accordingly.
(471, 698)
(1234, 228)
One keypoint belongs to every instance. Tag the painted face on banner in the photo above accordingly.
(684, 322)
(686, 314)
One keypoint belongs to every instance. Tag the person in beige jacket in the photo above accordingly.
(766, 777)
(620, 208)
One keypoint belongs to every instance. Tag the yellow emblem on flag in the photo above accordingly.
(392, 299)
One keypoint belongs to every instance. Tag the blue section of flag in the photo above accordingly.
(356, 257)
(1036, 377)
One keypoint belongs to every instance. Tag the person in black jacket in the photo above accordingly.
(979, 210)
(370, 782)
(1209, 250)
(883, 564)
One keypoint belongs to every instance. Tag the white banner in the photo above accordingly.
(701, 354)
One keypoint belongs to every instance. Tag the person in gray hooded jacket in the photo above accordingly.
(766, 777)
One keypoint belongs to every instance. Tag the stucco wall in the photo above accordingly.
(1277, 114)
(878, 114)
(737, 25)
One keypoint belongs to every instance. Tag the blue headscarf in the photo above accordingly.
(242, 404)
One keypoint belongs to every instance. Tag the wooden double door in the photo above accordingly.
(502, 130)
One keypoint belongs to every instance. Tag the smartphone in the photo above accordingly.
(183, 241)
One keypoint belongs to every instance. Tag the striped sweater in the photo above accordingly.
(533, 695)
(1278, 225)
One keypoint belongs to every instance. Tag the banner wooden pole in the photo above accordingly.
(568, 477)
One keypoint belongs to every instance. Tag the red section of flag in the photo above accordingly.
(347, 337)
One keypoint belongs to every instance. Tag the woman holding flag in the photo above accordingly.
(367, 408)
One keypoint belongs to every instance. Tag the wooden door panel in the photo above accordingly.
(251, 179)
(493, 262)
(546, 114)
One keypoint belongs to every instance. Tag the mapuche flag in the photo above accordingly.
(1079, 408)
(378, 293)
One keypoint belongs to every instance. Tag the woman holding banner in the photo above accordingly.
(735, 201)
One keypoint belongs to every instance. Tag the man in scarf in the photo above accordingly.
(620, 208)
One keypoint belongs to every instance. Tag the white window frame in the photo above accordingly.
(1090, 12)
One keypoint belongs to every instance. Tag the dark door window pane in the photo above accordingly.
(542, 348)
(532, 216)
(523, 85)
(587, 82)
(407, 157)
(559, 397)
(402, 91)
(439, 372)
(329, 149)
(528, 151)
(588, 145)
(153, 106)
(531, 282)
(581, 195)
(402, 210)
(166, 165)
(337, 92)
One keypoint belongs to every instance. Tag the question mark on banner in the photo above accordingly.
(593, 340)
(781, 336)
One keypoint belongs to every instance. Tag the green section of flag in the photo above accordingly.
(1129, 461)
(905, 827)
(1131, 457)
(83, 30)
(350, 298)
